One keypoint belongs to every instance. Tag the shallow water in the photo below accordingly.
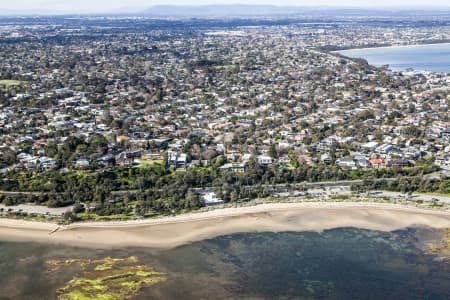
(433, 58)
(342, 263)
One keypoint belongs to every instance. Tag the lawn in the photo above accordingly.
(9, 83)
(151, 163)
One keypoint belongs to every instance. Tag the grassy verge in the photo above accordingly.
(9, 83)
(435, 194)
(95, 217)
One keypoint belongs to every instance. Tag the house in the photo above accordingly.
(325, 158)
(177, 160)
(47, 163)
(122, 138)
(443, 162)
(346, 162)
(140, 135)
(134, 153)
(28, 161)
(151, 156)
(124, 160)
(384, 149)
(378, 163)
(398, 163)
(105, 160)
(445, 134)
(264, 160)
(233, 167)
(326, 144)
(210, 198)
(370, 146)
(412, 153)
(284, 160)
(172, 158)
(161, 142)
(363, 163)
(182, 160)
(199, 163)
(82, 163)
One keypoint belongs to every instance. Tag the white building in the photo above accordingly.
(346, 163)
(210, 198)
(264, 160)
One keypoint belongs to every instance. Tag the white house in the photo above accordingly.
(264, 160)
(346, 163)
(210, 198)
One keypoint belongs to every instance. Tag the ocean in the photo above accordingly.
(345, 263)
(432, 58)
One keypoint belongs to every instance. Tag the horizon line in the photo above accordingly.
(141, 10)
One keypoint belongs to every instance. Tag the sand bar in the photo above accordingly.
(170, 232)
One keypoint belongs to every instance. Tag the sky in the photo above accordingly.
(108, 5)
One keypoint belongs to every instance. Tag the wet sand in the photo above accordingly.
(169, 232)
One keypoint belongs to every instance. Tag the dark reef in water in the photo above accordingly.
(345, 263)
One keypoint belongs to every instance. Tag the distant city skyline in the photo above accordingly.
(110, 5)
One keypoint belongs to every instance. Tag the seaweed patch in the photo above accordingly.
(105, 279)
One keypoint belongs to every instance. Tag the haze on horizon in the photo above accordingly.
(117, 5)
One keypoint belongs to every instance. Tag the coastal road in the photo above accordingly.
(381, 194)
(36, 209)
(346, 191)
(18, 194)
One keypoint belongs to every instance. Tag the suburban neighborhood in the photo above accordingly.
(221, 101)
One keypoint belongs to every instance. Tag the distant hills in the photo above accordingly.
(236, 10)
(241, 10)
(221, 10)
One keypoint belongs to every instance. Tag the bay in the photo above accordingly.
(344, 263)
(431, 58)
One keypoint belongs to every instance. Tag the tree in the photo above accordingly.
(273, 151)
(77, 208)
(233, 196)
(192, 198)
(294, 161)
(69, 217)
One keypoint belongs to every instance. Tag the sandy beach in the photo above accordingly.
(170, 232)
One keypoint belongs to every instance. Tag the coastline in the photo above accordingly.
(391, 47)
(169, 232)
